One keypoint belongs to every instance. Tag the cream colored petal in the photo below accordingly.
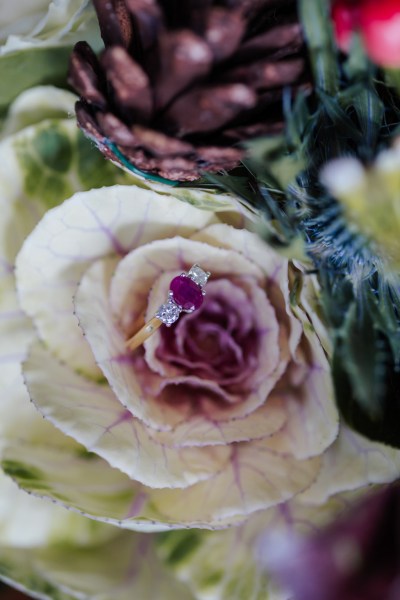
(88, 226)
(257, 477)
(199, 431)
(70, 477)
(246, 243)
(312, 422)
(91, 414)
(35, 105)
(46, 24)
(309, 303)
(17, 415)
(18, 17)
(15, 328)
(84, 483)
(313, 419)
(351, 463)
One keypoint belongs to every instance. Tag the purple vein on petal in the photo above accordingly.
(116, 244)
(365, 451)
(316, 369)
(137, 505)
(236, 474)
(122, 359)
(6, 266)
(123, 417)
(140, 229)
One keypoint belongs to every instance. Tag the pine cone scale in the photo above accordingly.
(92, 130)
(147, 21)
(115, 129)
(84, 75)
(160, 144)
(285, 37)
(115, 22)
(267, 74)
(224, 32)
(218, 105)
(185, 57)
(130, 83)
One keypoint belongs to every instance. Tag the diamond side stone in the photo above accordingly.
(168, 313)
(199, 276)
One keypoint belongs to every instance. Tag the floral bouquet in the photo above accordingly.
(200, 299)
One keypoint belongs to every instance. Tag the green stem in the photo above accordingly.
(316, 21)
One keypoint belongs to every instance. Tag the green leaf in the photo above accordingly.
(384, 308)
(315, 17)
(24, 69)
(273, 162)
(369, 109)
(384, 430)
(366, 380)
(298, 119)
(364, 360)
(342, 122)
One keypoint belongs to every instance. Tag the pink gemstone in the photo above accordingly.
(186, 292)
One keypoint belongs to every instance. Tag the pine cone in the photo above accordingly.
(179, 83)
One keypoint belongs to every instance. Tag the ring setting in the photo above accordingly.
(186, 293)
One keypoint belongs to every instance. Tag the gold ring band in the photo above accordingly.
(144, 332)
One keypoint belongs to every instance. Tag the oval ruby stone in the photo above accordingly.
(186, 292)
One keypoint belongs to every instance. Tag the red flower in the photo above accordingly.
(380, 27)
(378, 23)
(346, 18)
